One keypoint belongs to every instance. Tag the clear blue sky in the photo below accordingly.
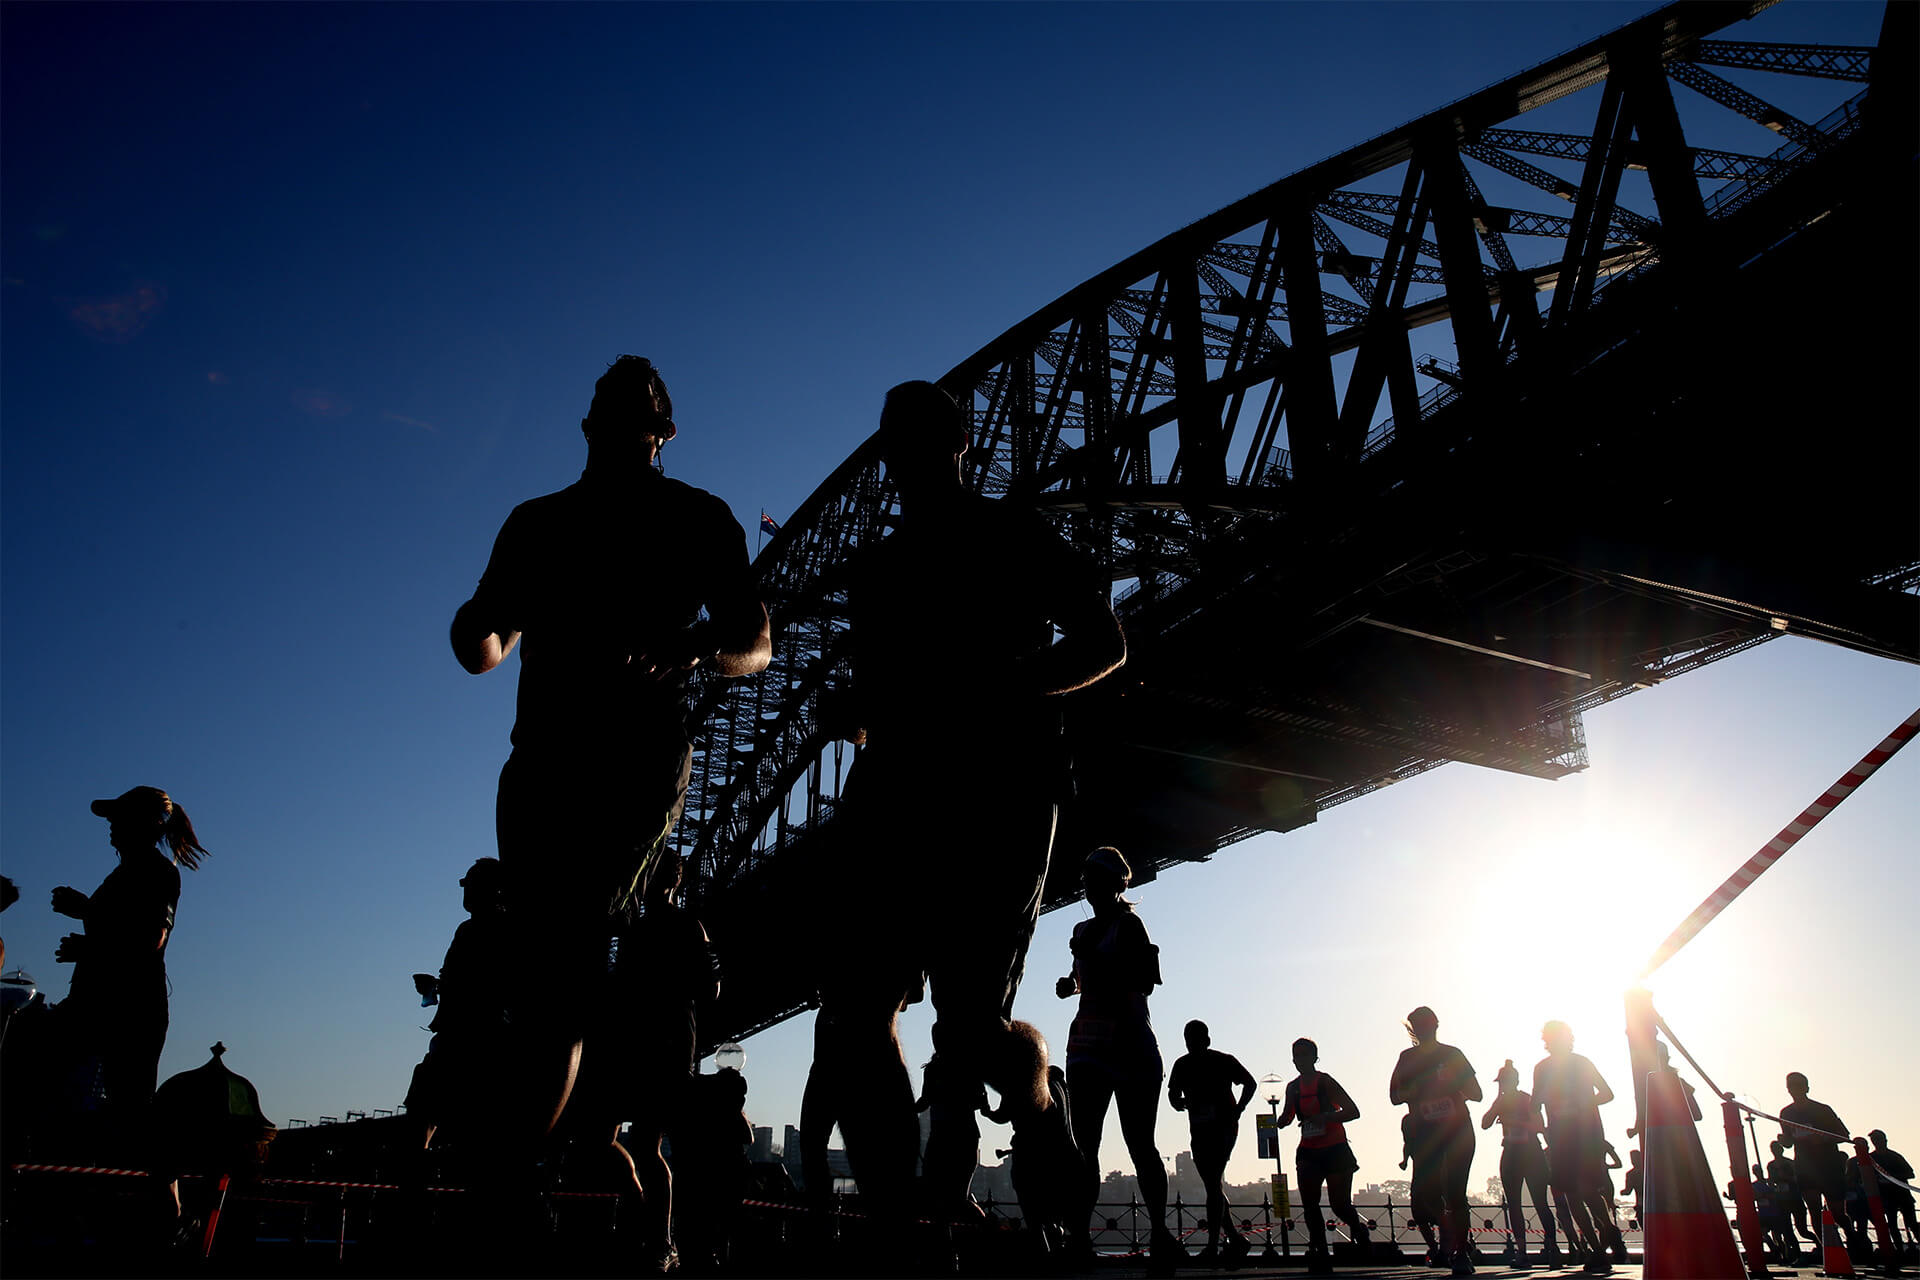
(298, 301)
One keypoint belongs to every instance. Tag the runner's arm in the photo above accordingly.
(1248, 1085)
(1091, 646)
(1292, 1106)
(1602, 1095)
(1344, 1111)
(735, 639)
(478, 646)
(1469, 1088)
(483, 633)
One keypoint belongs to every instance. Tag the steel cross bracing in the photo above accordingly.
(1310, 520)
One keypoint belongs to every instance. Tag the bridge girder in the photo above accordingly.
(1320, 599)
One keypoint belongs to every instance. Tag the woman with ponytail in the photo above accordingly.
(115, 1012)
(1523, 1163)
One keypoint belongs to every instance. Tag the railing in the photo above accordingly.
(1125, 1227)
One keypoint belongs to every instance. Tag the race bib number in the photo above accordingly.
(1204, 1113)
(1314, 1128)
(1434, 1110)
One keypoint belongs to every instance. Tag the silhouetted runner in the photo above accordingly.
(1324, 1109)
(1784, 1174)
(1809, 1129)
(470, 1033)
(1523, 1164)
(1112, 1055)
(1635, 1181)
(950, 806)
(1046, 1163)
(665, 972)
(1202, 1084)
(605, 580)
(1775, 1227)
(1436, 1082)
(1896, 1201)
(1571, 1092)
(710, 1136)
(115, 1015)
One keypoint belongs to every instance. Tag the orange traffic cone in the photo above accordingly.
(1834, 1260)
(1686, 1231)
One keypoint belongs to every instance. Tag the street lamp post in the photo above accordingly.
(1281, 1201)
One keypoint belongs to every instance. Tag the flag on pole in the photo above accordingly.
(767, 525)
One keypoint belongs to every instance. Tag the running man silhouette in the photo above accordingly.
(1112, 1055)
(1436, 1082)
(956, 695)
(115, 1012)
(1324, 1109)
(469, 1021)
(1810, 1128)
(606, 581)
(1571, 1092)
(1896, 1201)
(1523, 1164)
(1202, 1085)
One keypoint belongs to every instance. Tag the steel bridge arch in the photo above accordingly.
(1187, 410)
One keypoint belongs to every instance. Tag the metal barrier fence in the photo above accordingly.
(1123, 1227)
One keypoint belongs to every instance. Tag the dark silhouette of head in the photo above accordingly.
(1197, 1036)
(630, 417)
(1878, 1137)
(1633, 1154)
(730, 1086)
(1557, 1036)
(923, 432)
(1508, 1076)
(1423, 1024)
(141, 818)
(481, 886)
(1106, 874)
(1777, 1147)
(1305, 1054)
(1797, 1085)
(1019, 1060)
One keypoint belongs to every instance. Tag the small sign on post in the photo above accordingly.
(1267, 1133)
(1282, 1202)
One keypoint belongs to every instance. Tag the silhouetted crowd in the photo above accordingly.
(967, 624)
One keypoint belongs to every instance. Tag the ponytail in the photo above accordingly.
(177, 831)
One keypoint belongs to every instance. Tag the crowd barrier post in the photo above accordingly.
(213, 1215)
(1641, 1021)
(1834, 1258)
(1685, 1233)
(1747, 1211)
(1870, 1183)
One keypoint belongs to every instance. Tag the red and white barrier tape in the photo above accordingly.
(1790, 834)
